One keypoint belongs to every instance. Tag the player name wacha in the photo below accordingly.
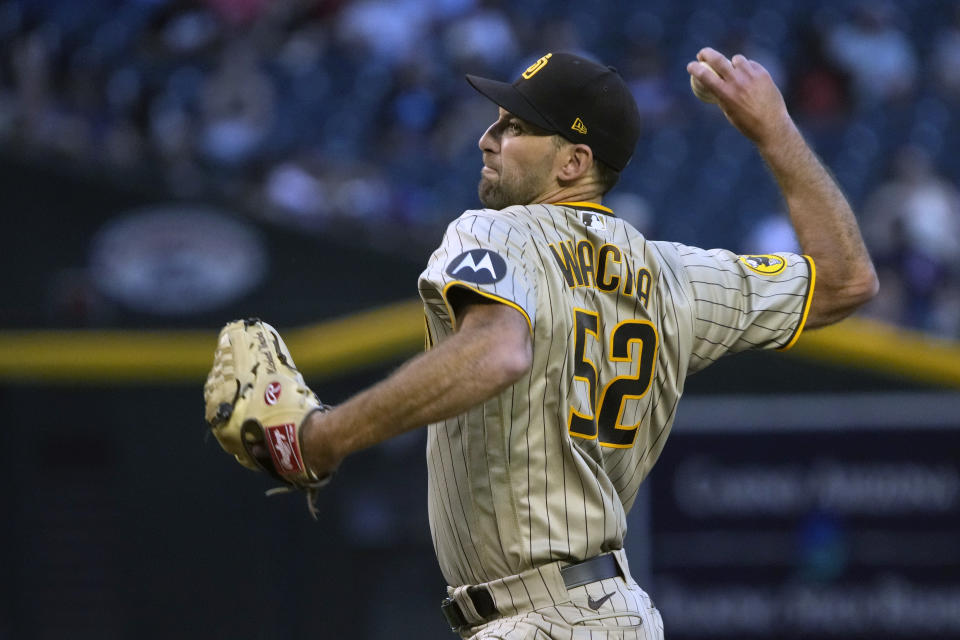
(604, 269)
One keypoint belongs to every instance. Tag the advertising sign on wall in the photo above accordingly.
(817, 517)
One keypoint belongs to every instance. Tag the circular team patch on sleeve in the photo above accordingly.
(479, 266)
(765, 265)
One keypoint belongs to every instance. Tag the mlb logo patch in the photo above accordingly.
(593, 221)
(283, 448)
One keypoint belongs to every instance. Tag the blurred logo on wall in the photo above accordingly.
(177, 259)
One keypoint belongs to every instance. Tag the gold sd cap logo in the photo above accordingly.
(536, 66)
(765, 265)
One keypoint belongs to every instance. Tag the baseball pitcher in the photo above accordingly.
(559, 341)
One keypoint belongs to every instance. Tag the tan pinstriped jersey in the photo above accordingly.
(548, 469)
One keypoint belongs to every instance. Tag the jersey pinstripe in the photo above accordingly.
(548, 469)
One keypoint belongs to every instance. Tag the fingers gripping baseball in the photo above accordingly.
(744, 91)
(699, 89)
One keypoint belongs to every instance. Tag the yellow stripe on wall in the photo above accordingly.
(395, 331)
(86, 356)
(869, 344)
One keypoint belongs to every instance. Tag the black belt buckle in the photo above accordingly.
(482, 602)
(451, 611)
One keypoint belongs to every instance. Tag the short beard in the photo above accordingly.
(501, 193)
(492, 195)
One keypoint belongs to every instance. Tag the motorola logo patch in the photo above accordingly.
(479, 266)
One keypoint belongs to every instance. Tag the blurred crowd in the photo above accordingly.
(352, 117)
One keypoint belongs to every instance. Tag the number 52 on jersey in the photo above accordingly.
(607, 408)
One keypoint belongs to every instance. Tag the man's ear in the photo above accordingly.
(577, 162)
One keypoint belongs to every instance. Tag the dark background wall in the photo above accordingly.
(57, 218)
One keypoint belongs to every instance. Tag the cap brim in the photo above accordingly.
(509, 97)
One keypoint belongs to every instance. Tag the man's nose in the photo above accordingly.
(488, 141)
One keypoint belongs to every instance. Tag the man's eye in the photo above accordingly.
(514, 127)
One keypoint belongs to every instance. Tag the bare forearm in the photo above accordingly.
(825, 226)
(467, 369)
(431, 387)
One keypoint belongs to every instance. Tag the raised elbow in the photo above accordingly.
(834, 301)
(861, 287)
(869, 288)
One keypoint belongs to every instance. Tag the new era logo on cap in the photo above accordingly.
(579, 127)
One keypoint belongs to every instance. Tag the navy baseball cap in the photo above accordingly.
(583, 101)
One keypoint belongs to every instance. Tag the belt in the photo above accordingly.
(574, 575)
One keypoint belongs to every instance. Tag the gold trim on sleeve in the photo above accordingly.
(509, 303)
(806, 307)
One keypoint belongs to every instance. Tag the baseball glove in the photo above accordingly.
(257, 403)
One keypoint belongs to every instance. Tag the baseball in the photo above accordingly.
(701, 91)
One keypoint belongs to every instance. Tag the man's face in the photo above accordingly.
(518, 163)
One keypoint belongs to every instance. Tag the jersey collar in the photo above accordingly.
(590, 206)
